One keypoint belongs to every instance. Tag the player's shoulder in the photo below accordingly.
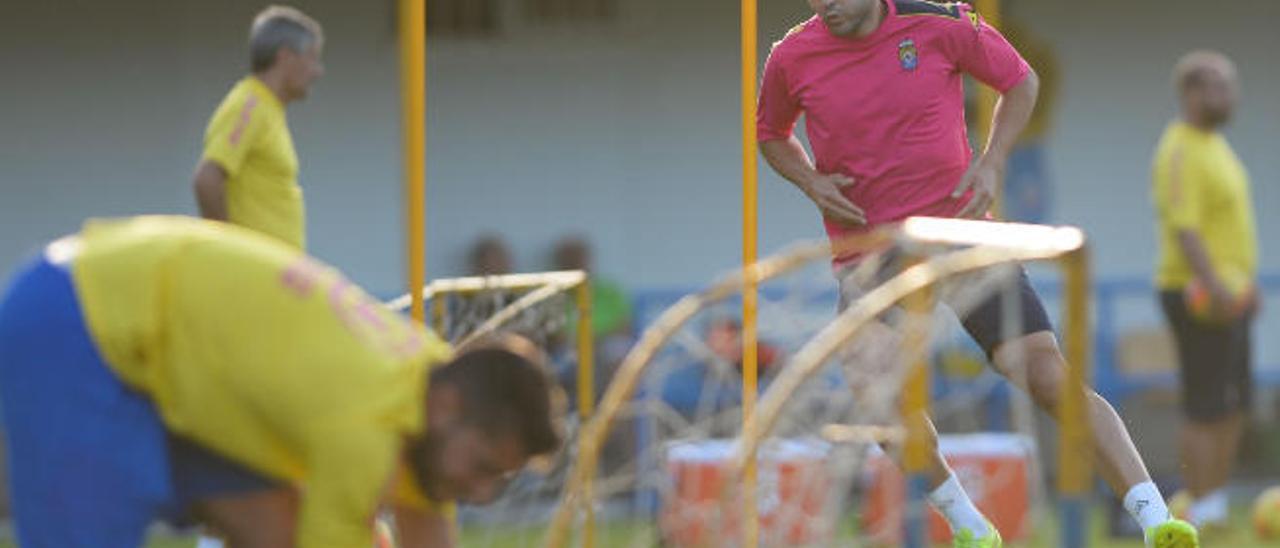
(928, 12)
(1183, 137)
(796, 35)
(798, 28)
(242, 91)
(242, 101)
(1179, 148)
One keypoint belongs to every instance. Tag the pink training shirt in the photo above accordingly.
(887, 110)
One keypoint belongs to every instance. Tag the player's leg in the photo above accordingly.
(87, 464)
(238, 505)
(250, 520)
(869, 358)
(1117, 459)
(1202, 392)
(1216, 392)
(1028, 355)
(1037, 359)
(1232, 431)
(1239, 375)
(875, 353)
(1208, 449)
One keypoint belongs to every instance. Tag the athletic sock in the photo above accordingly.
(1146, 505)
(1211, 508)
(955, 505)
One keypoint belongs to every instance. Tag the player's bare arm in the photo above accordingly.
(422, 529)
(789, 159)
(262, 518)
(1222, 303)
(210, 185)
(985, 176)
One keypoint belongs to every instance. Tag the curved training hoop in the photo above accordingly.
(653, 339)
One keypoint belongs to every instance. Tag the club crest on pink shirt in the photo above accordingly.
(908, 56)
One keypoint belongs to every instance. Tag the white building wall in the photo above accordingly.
(626, 132)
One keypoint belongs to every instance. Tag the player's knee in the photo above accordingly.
(1043, 372)
(1044, 379)
(1045, 383)
(1035, 363)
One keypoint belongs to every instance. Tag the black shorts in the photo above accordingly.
(199, 474)
(985, 320)
(1214, 361)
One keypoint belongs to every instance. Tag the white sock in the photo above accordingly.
(1211, 508)
(955, 505)
(208, 542)
(1146, 505)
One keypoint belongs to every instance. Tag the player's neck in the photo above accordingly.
(274, 82)
(873, 21)
(1200, 124)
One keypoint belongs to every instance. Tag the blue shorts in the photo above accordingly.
(90, 462)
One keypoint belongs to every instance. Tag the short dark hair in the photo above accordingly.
(280, 27)
(505, 391)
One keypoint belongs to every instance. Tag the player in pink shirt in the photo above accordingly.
(881, 85)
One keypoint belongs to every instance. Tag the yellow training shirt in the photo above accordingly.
(1200, 185)
(264, 356)
(249, 138)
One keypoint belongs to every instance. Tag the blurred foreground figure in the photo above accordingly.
(186, 370)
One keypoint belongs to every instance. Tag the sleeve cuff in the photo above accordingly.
(770, 134)
(221, 161)
(1024, 70)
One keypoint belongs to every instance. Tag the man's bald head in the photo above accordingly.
(1207, 84)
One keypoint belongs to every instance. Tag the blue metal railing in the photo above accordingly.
(1117, 385)
(1109, 295)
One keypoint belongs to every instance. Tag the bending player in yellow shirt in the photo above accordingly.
(170, 368)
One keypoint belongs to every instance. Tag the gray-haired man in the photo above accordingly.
(248, 171)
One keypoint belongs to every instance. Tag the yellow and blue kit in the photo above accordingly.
(158, 331)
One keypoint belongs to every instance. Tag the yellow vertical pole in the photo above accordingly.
(1074, 474)
(586, 405)
(413, 88)
(987, 97)
(750, 232)
(438, 313)
(915, 412)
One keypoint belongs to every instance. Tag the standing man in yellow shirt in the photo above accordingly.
(248, 173)
(176, 368)
(1206, 275)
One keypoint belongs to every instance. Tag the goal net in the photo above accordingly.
(551, 309)
(829, 445)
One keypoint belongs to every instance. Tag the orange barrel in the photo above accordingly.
(793, 490)
(992, 467)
